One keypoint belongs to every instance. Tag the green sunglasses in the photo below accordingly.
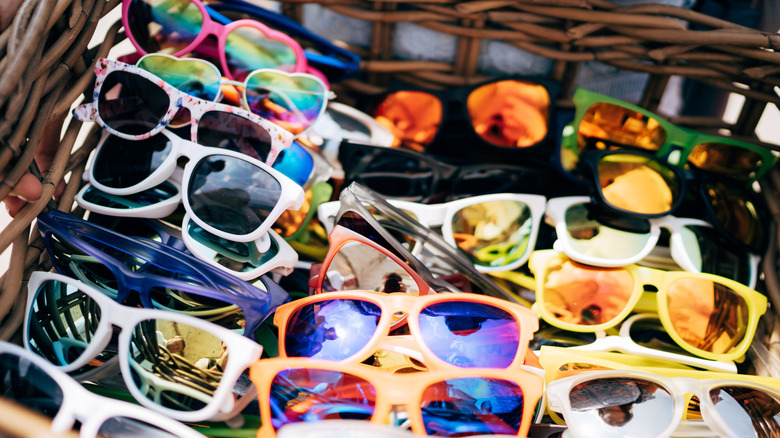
(603, 122)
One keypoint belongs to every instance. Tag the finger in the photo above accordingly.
(28, 188)
(14, 205)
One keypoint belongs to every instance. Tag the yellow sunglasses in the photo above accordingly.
(707, 315)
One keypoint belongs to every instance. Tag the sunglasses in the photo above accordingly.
(291, 100)
(709, 316)
(134, 104)
(182, 26)
(495, 232)
(603, 122)
(163, 276)
(421, 177)
(442, 403)
(503, 113)
(31, 381)
(229, 194)
(590, 234)
(164, 357)
(153, 203)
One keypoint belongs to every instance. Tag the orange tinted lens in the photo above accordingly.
(707, 315)
(638, 184)
(412, 116)
(510, 113)
(725, 159)
(736, 213)
(578, 294)
(606, 125)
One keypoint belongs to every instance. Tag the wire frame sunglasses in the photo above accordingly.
(441, 403)
(134, 104)
(70, 324)
(33, 382)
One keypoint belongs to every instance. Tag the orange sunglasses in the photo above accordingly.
(441, 403)
(448, 329)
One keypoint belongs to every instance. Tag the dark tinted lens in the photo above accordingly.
(124, 163)
(496, 179)
(126, 427)
(231, 194)
(356, 223)
(164, 26)
(747, 411)
(736, 213)
(28, 385)
(131, 104)
(718, 256)
(69, 260)
(155, 195)
(236, 256)
(649, 332)
(332, 329)
(391, 173)
(468, 334)
(231, 131)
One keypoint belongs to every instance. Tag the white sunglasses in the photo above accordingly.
(33, 382)
(160, 374)
(496, 232)
(613, 240)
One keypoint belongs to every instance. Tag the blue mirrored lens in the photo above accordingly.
(310, 395)
(472, 405)
(295, 163)
(469, 334)
(332, 329)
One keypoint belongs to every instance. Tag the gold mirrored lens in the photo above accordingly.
(726, 159)
(638, 184)
(578, 294)
(494, 233)
(412, 116)
(707, 315)
(736, 213)
(606, 125)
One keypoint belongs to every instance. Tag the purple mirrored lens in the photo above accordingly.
(468, 334)
(331, 329)
(471, 406)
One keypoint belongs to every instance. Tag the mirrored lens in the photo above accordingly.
(726, 159)
(736, 213)
(166, 27)
(638, 184)
(236, 256)
(510, 113)
(357, 266)
(707, 315)
(609, 407)
(28, 385)
(589, 233)
(146, 198)
(494, 233)
(578, 294)
(124, 163)
(126, 427)
(131, 104)
(63, 321)
(747, 411)
(226, 130)
(232, 194)
(176, 365)
(299, 394)
(607, 125)
(331, 329)
(295, 163)
(247, 48)
(196, 78)
(413, 117)
(472, 405)
(292, 102)
(469, 334)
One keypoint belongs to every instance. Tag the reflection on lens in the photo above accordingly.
(472, 405)
(218, 311)
(736, 213)
(412, 116)
(468, 334)
(578, 294)
(357, 266)
(747, 411)
(176, 365)
(707, 315)
(236, 256)
(28, 385)
(295, 163)
(332, 329)
(231, 194)
(606, 125)
(72, 261)
(126, 427)
(292, 102)
(230, 131)
(195, 78)
(616, 407)
(166, 27)
(726, 159)
(248, 48)
(356, 223)
(131, 104)
(155, 195)
(510, 113)
(124, 163)
(300, 394)
(638, 184)
(589, 236)
(494, 233)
